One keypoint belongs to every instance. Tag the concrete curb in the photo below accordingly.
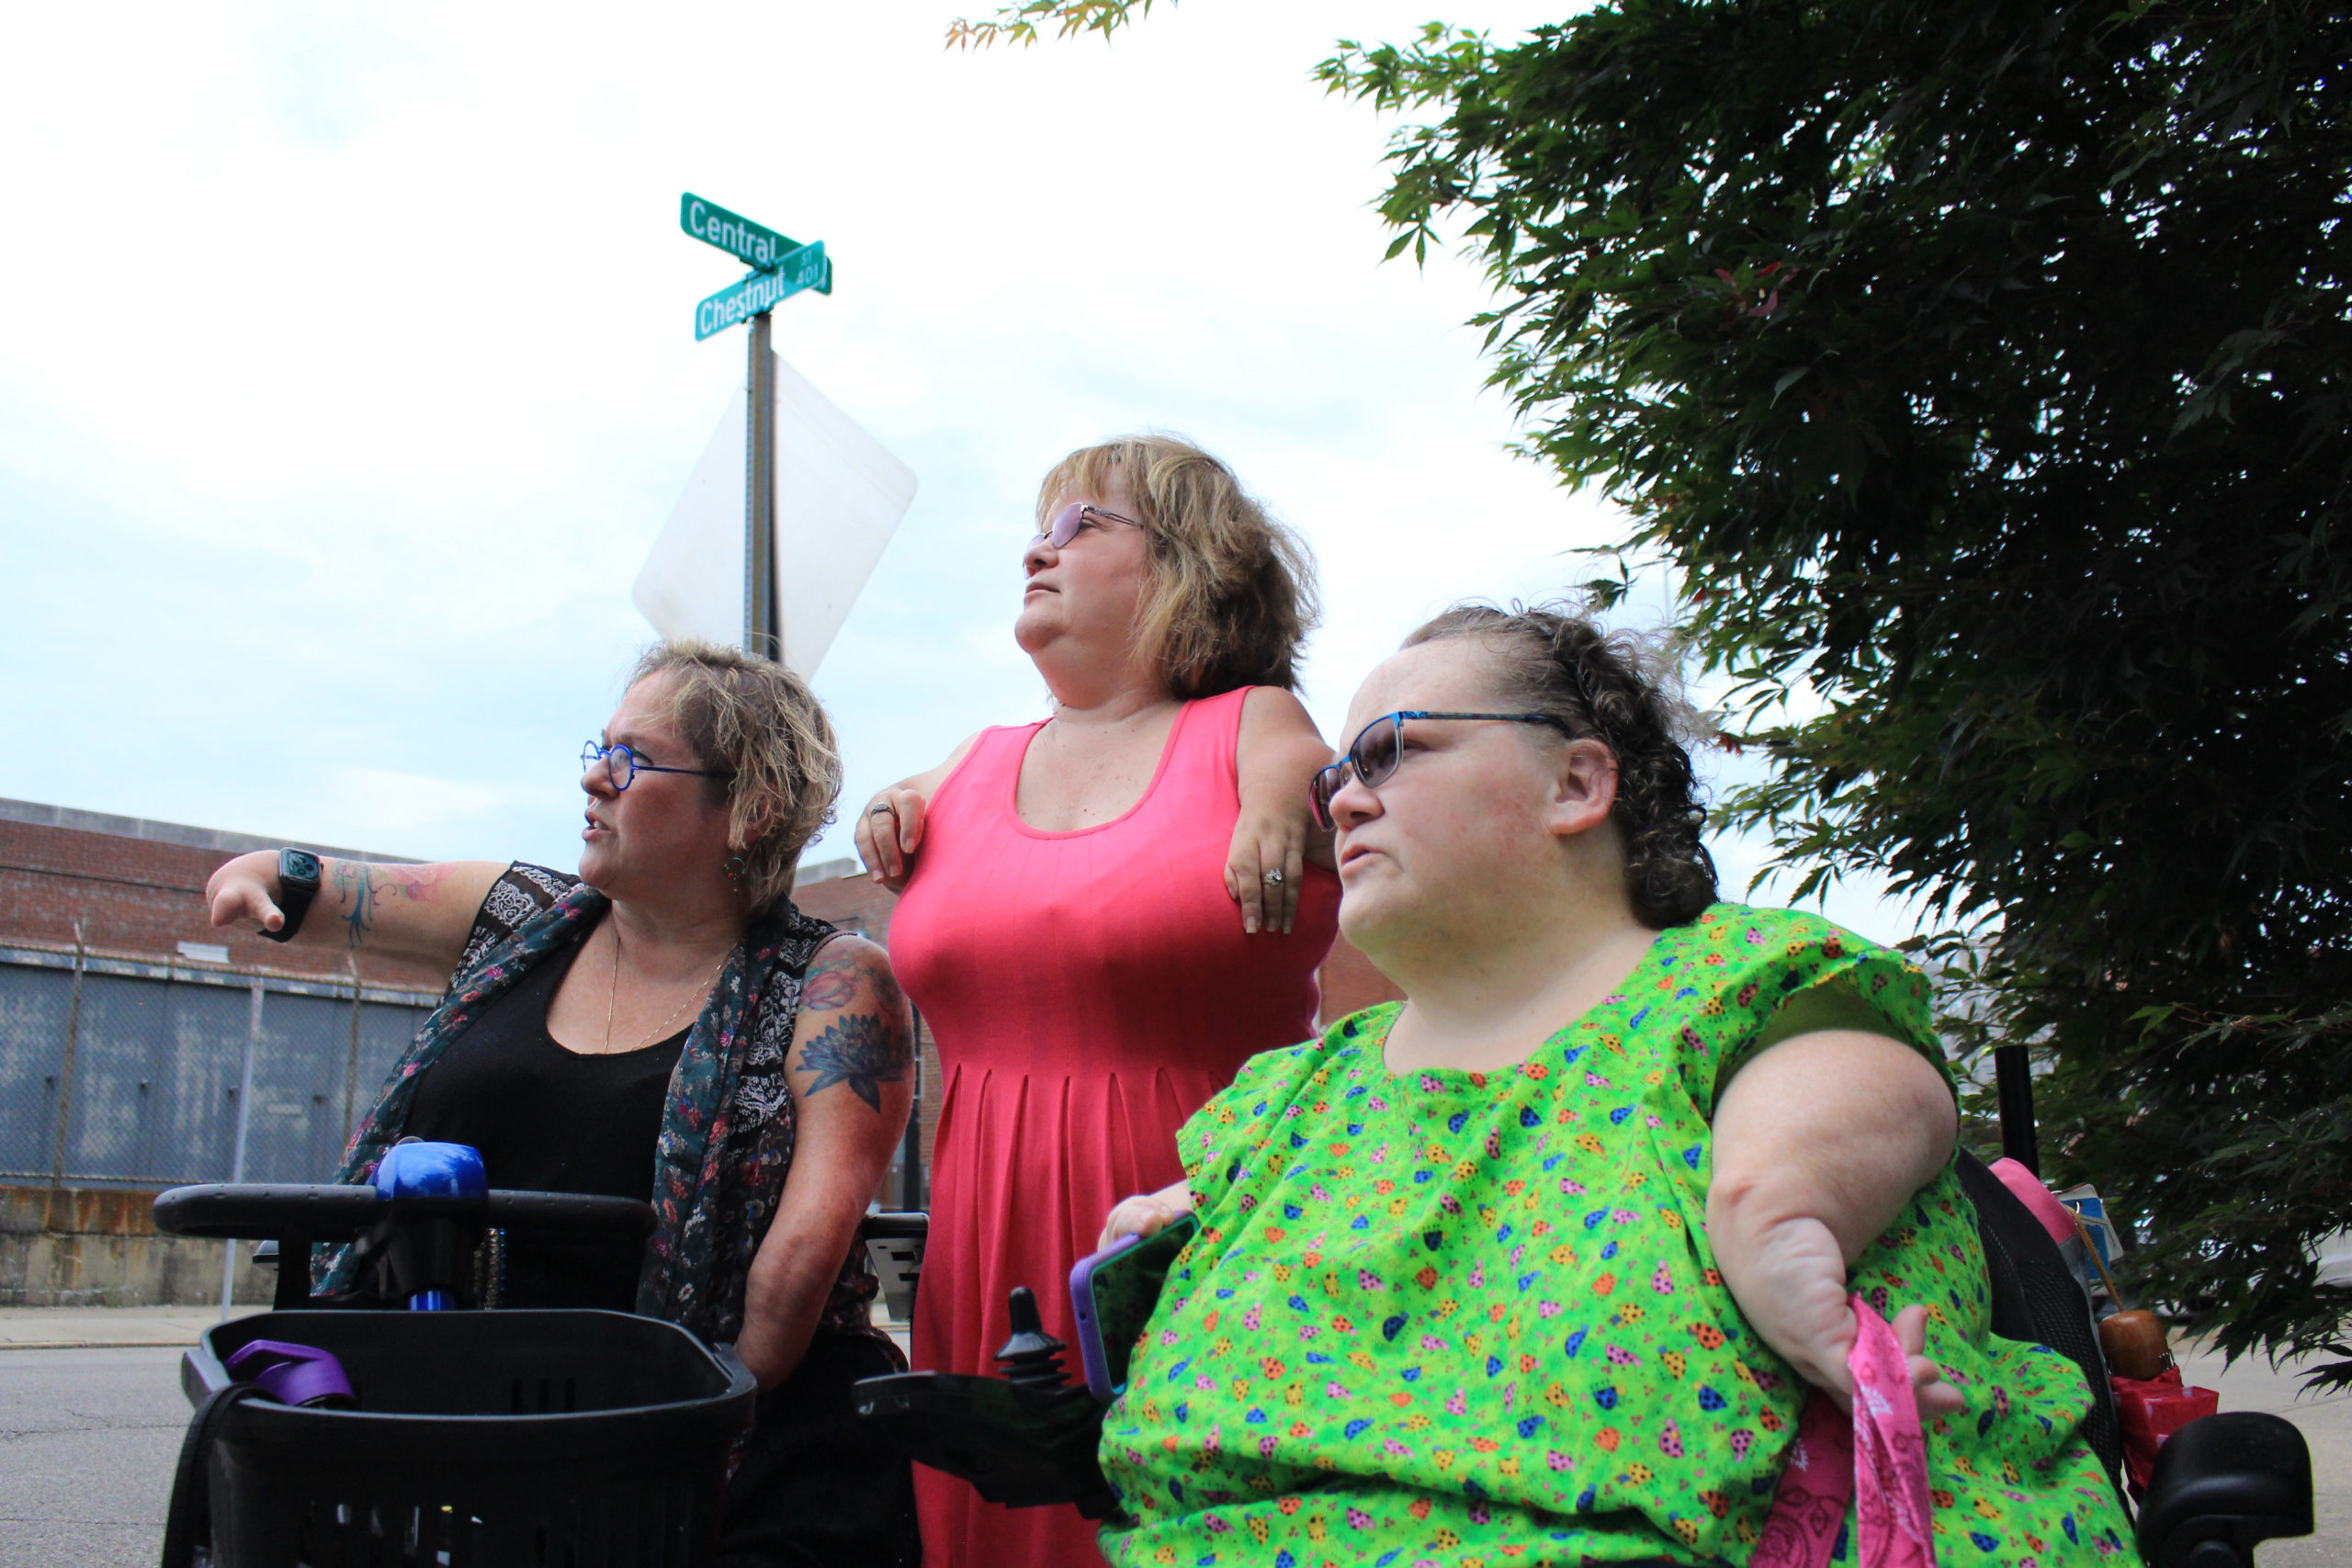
(107, 1328)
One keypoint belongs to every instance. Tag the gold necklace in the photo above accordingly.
(613, 990)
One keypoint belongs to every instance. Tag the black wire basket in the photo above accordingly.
(480, 1439)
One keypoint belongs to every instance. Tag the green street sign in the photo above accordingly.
(732, 232)
(806, 267)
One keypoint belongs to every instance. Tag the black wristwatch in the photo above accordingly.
(298, 884)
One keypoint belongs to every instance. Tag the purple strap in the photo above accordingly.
(1877, 1461)
(292, 1374)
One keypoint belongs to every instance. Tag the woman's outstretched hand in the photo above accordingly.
(246, 889)
(1145, 1213)
(889, 830)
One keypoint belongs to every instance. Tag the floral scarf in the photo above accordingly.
(727, 1132)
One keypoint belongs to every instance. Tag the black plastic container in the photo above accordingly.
(482, 1439)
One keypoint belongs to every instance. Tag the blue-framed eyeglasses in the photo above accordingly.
(1379, 748)
(622, 765)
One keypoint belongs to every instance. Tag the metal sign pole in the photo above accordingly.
(66, 1069)
(762, 630)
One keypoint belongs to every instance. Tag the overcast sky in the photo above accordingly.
(347, 373)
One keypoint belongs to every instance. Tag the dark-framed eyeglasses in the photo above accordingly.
(622, 765)
(1076, 515)
(1379, 746)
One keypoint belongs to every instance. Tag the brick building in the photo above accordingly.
(123, 888)
(140, 1048)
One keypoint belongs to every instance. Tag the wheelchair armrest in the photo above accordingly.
(1024, 1448)
(2222, 1484)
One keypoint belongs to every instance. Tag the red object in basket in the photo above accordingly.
(2152, 1409)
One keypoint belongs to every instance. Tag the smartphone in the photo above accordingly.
(1112, 1293)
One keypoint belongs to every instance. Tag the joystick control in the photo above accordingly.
(1032, 1358)
(1027, 1439)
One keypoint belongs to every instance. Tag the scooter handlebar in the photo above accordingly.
(274, 1212)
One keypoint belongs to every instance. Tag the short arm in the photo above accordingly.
(1279, 753)
(1819, 1143)
(1274, 838)
(852, 1080)
(421, 912)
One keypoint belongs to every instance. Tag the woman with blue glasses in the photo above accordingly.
(665, 1025)
(1563, 1258)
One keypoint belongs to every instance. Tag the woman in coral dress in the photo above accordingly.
(1107, 913)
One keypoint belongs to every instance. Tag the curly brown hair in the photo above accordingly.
(1230, 592)
(1556, 661)
(756, 721)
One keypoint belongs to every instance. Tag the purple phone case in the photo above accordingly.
(1089, 1333)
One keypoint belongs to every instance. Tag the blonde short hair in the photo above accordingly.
(755, 720)
(1229, 596)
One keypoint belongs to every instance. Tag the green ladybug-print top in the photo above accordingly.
(1445, 1318)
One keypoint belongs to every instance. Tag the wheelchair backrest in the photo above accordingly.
(2036, 1299)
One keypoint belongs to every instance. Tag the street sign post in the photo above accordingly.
(782, 266)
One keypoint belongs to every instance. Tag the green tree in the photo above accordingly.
(1983, 370)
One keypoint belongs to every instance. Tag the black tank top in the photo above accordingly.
(550, 1120)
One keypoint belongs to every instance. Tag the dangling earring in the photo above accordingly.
(735, 867)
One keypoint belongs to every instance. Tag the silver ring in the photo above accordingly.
(882, 810)
(1273, 878)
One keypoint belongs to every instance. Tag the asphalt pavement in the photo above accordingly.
(2327, 1426)
(87, 1440)
(88, 1434)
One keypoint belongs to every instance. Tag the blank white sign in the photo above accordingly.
(839, 497)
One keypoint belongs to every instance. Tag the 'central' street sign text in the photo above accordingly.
(732, 232)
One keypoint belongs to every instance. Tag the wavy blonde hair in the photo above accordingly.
(757, 721)
(1229, 592)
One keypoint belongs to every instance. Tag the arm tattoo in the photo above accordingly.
(862, 1050)
(354, 886)
(834, 984)
(364, 885)
(829, 989)
(413, 883)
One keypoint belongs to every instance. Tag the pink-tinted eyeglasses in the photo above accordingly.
(1071, 518)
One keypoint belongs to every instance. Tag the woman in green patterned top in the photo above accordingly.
(1536, 1266)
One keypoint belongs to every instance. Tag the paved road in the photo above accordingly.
(2327, 1426)
(87, 1439)
(88, 1436)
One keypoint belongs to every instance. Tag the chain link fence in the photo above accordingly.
(115, 1073)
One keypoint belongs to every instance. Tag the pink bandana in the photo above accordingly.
(1879, 1462)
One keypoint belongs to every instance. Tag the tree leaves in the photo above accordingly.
(1987, 364)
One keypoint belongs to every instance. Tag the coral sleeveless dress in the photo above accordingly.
(1088, 991)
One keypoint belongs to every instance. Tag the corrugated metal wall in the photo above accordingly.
(115, 1073)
